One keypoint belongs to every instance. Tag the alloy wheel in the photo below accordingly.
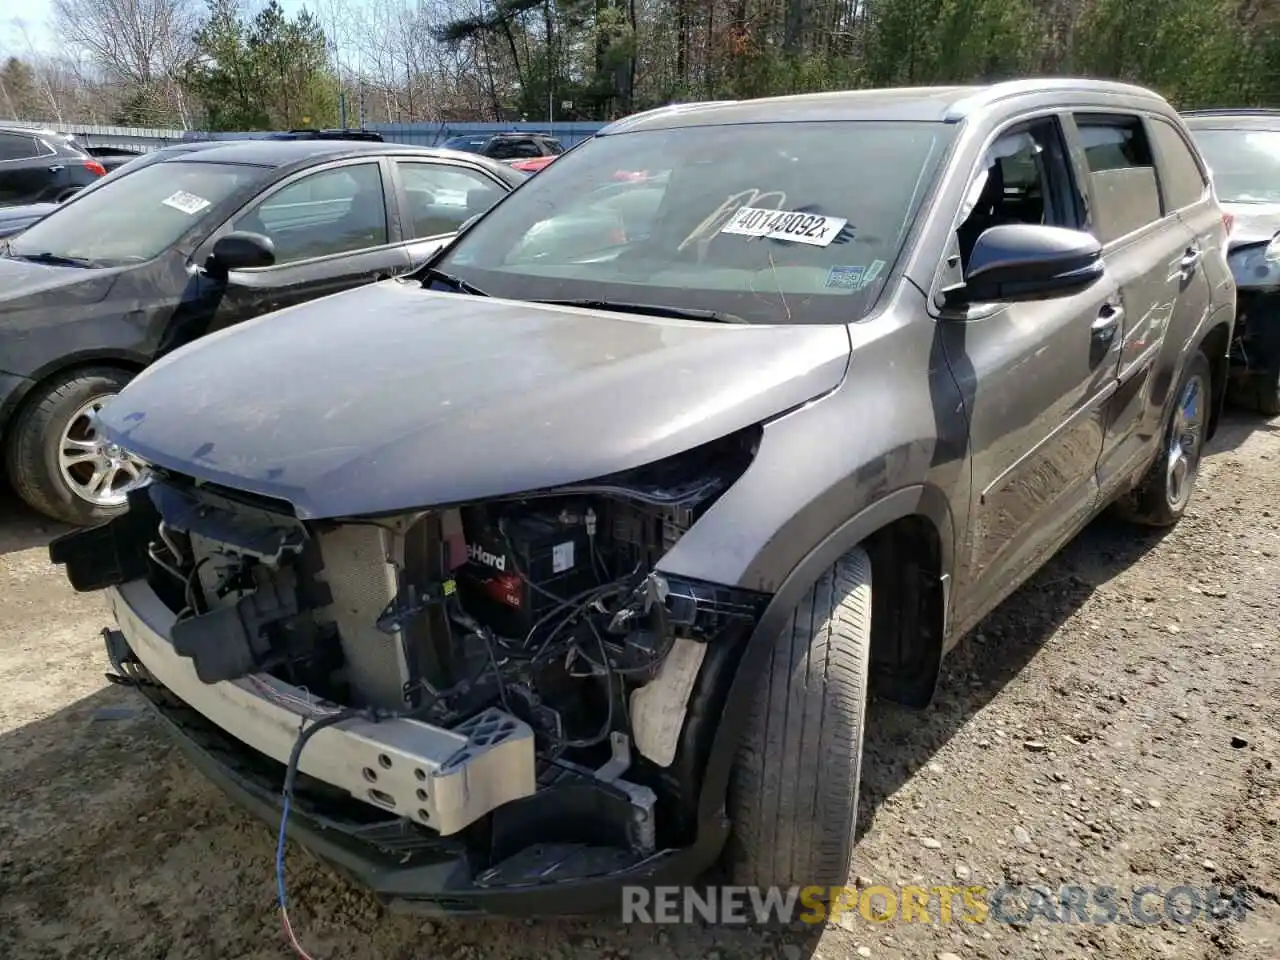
(95, 469)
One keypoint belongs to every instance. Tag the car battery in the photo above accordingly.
(511, 581)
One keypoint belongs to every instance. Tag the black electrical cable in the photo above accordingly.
(607, 728)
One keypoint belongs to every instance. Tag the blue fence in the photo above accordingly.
(421, 134)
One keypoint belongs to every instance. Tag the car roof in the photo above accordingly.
(1232, 118)
(35, 132)
(282, 154)
(940, 104)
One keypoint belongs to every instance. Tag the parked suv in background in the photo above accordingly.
(582, 556)
(507, 146)
(40, 165)
(1242, 148)
(336, 133)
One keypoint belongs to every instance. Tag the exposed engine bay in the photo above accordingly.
(545, 608)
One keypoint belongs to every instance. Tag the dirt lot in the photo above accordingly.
(1116, 723)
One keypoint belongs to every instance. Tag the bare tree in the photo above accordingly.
(142, 44)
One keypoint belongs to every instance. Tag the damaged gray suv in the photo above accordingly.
(572, 562)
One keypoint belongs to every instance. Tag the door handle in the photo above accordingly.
(57, 168)
(1108, 318)
(1190, 259)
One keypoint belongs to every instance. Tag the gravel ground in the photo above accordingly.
(1115, 723)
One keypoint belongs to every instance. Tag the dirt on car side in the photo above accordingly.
(1115, 723)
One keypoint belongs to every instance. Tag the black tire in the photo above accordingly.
(1157, 501)
(793, 795)
(31, 453)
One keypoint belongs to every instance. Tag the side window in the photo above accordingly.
(14, 146)
(333, 211)
(552, 148)
(1025, 178)
(514, 149)
(1182, 182)
(1122, 175)
(440, 197)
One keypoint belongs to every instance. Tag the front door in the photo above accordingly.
(330, 230)
(1035, 376)
(436, 199)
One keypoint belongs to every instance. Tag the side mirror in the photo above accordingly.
(1024, 261)
(240, 250)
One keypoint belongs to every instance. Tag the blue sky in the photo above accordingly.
(35, 17)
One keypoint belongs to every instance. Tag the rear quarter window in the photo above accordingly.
(1182, 181)
(1122, 174)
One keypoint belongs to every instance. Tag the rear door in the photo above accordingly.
(1152, 254)
(332, 230)
(435, 198)
(25, 174)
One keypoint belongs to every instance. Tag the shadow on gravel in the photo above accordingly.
(23, 529)
(899, 741)
(1237, 426)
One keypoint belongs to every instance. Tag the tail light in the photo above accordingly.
(1228, 221)
(94, 167)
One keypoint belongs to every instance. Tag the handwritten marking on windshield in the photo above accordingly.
(709, 227)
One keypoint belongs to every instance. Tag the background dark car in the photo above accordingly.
(111, 158)
(507, 146)
(368, 136)
(156, 256)
(39, 166)
(1242, 148)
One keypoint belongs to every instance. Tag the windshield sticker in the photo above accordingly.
(845, 278)
(810, 228)
(712, 225)
(188, 203)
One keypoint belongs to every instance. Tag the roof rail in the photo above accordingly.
(624, 122)
(1013, 88)
(1219, 111)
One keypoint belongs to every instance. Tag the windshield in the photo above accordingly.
(765, 222)
(1245, 163)
(137, 217)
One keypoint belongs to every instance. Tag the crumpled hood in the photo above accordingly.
(390, 397)
(1254, 222)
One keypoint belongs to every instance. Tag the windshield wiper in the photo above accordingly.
(453, 281)
(54, 259)
(647, 309)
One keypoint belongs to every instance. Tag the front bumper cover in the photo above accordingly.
(444, 779)
(409, 867)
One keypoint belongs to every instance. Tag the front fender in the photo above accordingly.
(915, 500)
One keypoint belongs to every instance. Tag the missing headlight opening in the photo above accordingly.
(529, 642)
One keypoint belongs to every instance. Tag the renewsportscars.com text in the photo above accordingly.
(1010, 904)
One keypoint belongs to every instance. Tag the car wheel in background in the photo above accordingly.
(56, 458)
(793, 796)
(1162, 496)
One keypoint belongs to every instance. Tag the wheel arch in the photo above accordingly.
(908, 536)
(62, 369)
(1216, 345)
